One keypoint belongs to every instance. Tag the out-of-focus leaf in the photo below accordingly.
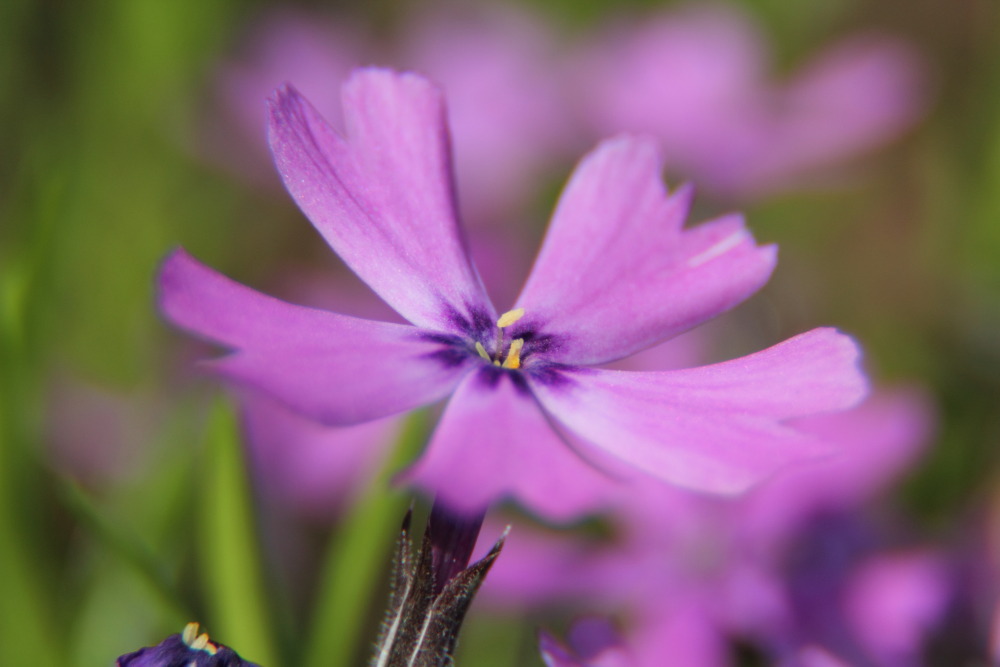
(124, 544)
(29, 631)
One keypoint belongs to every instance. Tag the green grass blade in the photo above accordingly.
(229, 550)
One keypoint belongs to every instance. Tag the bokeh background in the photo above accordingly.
(126, 508)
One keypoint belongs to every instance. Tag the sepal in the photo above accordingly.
(424, 616)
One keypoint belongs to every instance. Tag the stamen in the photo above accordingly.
(197, 642)
(482, 351)
(513, 359)
(510, 317)
(190, 633)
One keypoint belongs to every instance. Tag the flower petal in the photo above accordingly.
(617, 273)
(856, 96)
(716, 428)
(382, 196)
(337, 369)
(493, 442)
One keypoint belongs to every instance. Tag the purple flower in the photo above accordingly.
(530, 417)
(507, 103)
(187, 649)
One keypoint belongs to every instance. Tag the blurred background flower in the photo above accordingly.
(863, 138)
(700, 79)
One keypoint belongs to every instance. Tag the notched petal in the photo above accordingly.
(381, 194)
(618, 271)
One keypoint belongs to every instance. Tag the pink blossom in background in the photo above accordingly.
(616, 273)
(843, 575)
(283, 46)
(312, 469)
(692, 572)
(877, 443)
(501, 72)
(893, 601)
(699, 80)
(95, 432)
(812, 656)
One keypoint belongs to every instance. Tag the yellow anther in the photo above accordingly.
(510, 317)
(496, 363)
(482, 351)
(513, 359)
(197, 642)
(190, 633)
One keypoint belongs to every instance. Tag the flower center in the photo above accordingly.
(510, 353)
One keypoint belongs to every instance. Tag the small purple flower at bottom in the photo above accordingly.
(187, 649)
(531, 416)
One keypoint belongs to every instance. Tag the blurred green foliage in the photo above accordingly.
(100, 105)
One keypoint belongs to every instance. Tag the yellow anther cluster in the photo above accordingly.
(513, 358)
(198, 642)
